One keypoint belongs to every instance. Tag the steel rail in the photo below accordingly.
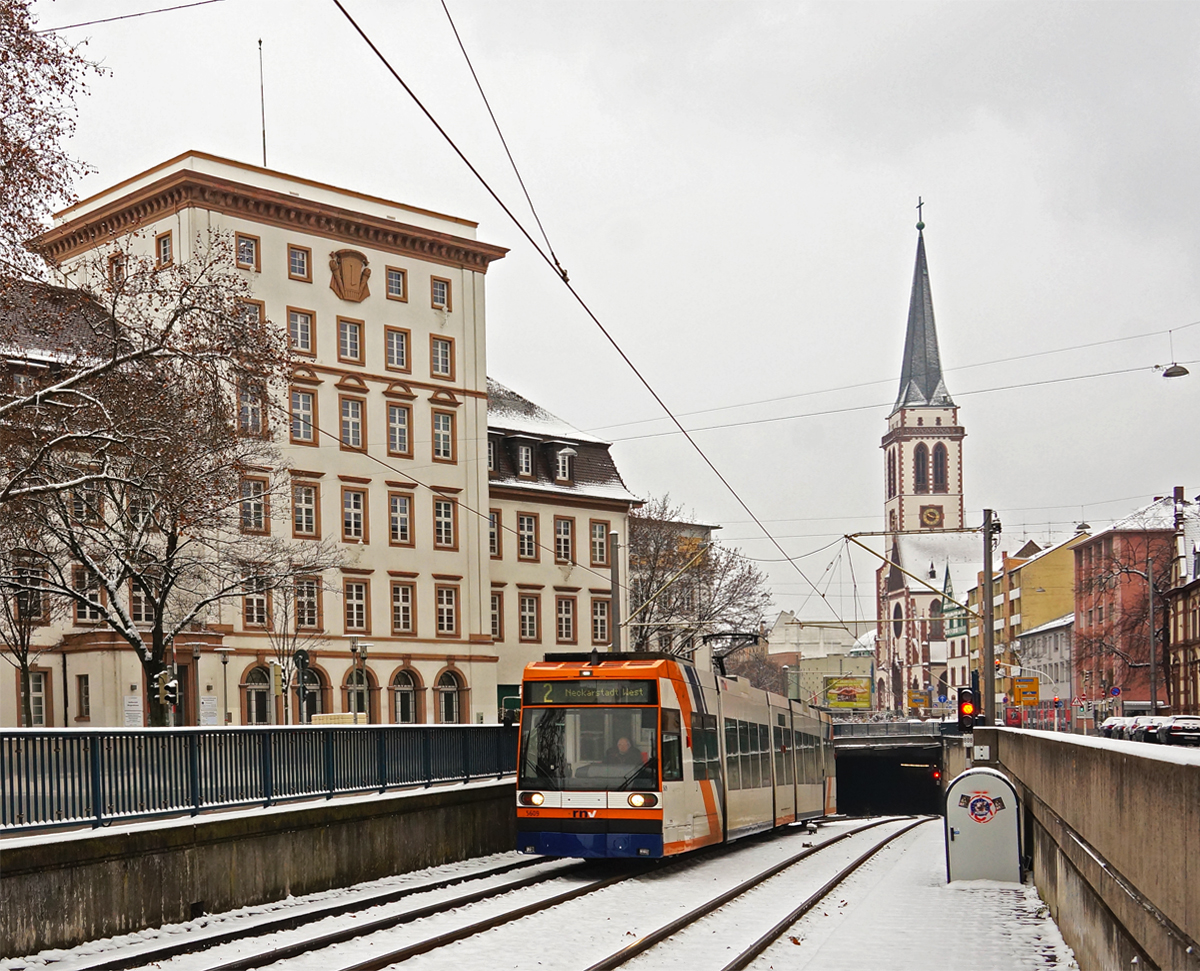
(647, 941)
(193, 943)
(771, 936)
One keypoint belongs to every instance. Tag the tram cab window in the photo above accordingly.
(672, 746)
(592, 748)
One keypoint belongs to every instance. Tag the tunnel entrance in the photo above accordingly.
(887, 781)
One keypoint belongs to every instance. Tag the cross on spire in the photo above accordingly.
(920, 219)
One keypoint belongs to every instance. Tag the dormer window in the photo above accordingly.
(562, 464)
(491, 456)
(525, 460)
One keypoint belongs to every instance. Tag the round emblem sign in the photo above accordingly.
(981, 808)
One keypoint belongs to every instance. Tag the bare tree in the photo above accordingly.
(41, 76)
(294, 620)
(757, 668)
(680, 588)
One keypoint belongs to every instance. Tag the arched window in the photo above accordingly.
(449, 688)
(921, 468)
(258, 697)
(939, 468)
(892, 520)
(891, 473)
(898, 621)
(936, 625)
(405, 689)
(312, 695)
(358, 693)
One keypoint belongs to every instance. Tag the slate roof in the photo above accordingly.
(515, 419)
(921, 383)
(50, 325)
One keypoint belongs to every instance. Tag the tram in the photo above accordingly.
(645, 755)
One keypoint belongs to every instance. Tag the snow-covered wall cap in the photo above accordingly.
(509, 411)
(1064, 621)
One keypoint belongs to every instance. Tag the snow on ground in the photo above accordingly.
(900, 913)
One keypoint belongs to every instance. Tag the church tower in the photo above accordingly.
(922, 450)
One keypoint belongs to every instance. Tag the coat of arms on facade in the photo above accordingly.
(350, 275)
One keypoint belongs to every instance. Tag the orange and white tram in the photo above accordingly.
(644, 755)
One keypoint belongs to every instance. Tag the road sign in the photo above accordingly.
(942, 699)
(1116, 691)
(918, 699)
(1025, 691)
(1077, 702)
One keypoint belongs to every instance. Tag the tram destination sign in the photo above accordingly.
(597, 691)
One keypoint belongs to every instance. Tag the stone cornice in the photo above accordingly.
(951, 433)
(190, 189)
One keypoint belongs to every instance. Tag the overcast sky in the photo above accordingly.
(732, 187)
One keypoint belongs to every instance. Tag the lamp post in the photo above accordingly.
(225, 652)
(196, 679)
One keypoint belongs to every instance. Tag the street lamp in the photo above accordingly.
(359, 650)
(225, 652)
(196, 678)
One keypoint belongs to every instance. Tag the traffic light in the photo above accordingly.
(160, 685)
(171, 692)
(1057, 702)
(966, 709)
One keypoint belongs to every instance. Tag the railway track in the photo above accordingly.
(368, 946)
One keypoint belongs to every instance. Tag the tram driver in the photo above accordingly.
(624, 753)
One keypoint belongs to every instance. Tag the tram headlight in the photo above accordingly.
(642, 800)
(531, 799)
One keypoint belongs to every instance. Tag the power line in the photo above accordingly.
(127, 16)
(574, 293)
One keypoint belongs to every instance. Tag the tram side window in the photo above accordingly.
(747, 742)
(781, 763)
(804, 774)
(732, 764)
(764, 754)
(672, 747)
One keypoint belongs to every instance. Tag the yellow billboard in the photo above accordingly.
(847, 692)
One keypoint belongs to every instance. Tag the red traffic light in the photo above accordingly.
(967, 708)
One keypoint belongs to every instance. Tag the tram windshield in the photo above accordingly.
(589, 748)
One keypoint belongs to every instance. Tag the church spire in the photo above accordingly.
(921, 384)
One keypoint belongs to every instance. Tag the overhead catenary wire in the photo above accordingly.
(127, 16)
(574, 293)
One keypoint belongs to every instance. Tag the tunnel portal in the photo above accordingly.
(884, 781)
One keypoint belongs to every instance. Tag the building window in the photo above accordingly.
(494, 541)
(564, 539)
(358, 693)
(37, 699)
(491, 455)
(355, 595)
(404, 689)
(141, 609)
(525, 461)
(162, 250)
(251, 408)
(562, 466)
(497, 616)
(449, 690)
(396, 348)
(300, 331)
(248, 257)
(354, 515)
(443, 436)
(397, 283)
(939, 468)
(891, 473)
(83, 698)
(439, 293)
(253, 511)
(400, 519)
(305, 511)
(600, 610)
(599, 530)
(447, 611)
(921, 468)
(258, 696)
(300, 264)
(441, 357)
(399, 422)
(304, 417)
(32, 601)
(116, 269)
(89, 610)
(254, 602)
(308, 603)
(350, 341)
(527, 537)
(565, 613)
(444, 531)
(87, 505)
(403, 608)
(530, 622)
(353, 423)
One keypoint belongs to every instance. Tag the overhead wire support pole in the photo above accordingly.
(262, 101)
(987, 677)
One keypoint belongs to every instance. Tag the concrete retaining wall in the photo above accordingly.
(1115, 841)
(73, 888)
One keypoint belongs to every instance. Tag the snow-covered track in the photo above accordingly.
(162, 950)
(664, 933)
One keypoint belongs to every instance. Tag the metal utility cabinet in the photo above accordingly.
(983, 833)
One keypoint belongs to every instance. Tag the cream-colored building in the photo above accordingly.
(387, 450)
(556, 496)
